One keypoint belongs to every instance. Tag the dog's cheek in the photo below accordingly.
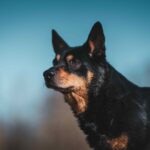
(76, 81)
(61, 78)
(64, 79)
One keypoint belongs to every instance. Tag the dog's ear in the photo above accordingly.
(96, 41)
(58, 43)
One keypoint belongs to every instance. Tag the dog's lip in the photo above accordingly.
(60, 89)
(64, 90)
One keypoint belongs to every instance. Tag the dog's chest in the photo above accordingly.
(90, 126)
(103, 140)
(96, 127)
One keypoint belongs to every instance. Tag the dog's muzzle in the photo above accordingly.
(49, 76)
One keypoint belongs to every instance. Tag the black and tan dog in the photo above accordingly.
(113, 112)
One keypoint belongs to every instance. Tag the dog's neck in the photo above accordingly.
(97, 112)
(109, 85)
(106, 101)
(114, 84)
(117, 86)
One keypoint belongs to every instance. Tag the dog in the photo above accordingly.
(113, 112)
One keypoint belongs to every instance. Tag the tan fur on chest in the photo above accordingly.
(119, 143)
(77, 100)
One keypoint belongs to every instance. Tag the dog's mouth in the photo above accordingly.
(60, 89)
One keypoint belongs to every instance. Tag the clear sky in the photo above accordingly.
(26, 50)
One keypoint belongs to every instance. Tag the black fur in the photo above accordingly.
(115, 105)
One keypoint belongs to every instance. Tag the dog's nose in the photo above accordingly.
(48, 74)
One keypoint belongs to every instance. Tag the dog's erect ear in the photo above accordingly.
(58, 43)
(96, 41)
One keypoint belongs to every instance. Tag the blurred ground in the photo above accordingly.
(57, 130)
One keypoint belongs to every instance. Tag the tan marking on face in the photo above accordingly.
(57, 57)
(90, 76)
(119, 143)
(69, 58)
(78, 98)
(65, 79)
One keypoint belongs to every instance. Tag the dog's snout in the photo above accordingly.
(48, 74)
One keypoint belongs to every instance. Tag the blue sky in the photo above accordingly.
(26, 50)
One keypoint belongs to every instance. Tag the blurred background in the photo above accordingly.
(34, 117)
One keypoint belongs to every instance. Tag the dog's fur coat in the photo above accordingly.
(113, 112)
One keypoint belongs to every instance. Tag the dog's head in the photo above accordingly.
(74, 68)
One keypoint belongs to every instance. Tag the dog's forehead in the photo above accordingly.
(68, 57)
(61, 54)
(68, 54)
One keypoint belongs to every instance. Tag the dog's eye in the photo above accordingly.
(74, 64)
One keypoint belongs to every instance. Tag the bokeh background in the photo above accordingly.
(34, 117)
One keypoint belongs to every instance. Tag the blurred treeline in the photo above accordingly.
(57, 130)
